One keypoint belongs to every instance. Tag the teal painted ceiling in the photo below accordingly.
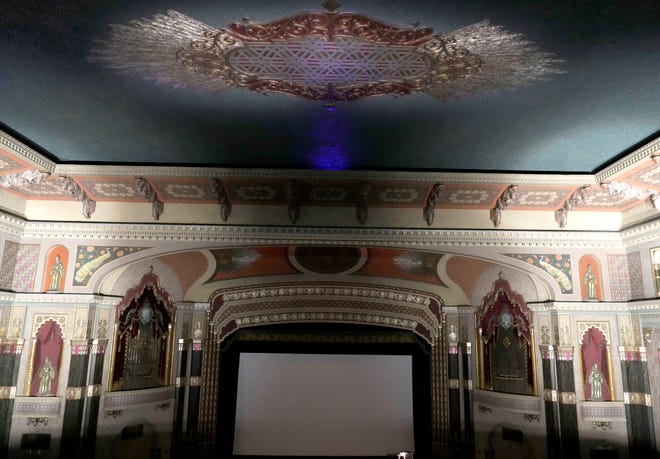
(74, 110)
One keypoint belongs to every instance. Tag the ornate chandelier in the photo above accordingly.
(325, 56)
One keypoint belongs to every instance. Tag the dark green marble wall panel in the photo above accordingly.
(71, 428)
(97, 373)
(635, 376)
(568, 427)
(552, 428)
(641, 438)
(7, 366)
(90, 425)
(78, 371)
(565, 376)
(547, 373)
(6, 409)
(196, 363)
(192, 424)
(468, 421)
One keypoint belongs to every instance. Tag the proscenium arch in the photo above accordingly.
(367, 306)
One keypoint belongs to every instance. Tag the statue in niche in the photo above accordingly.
(596, 380)
(46, 376)
(595, 366)
(56, 274)
(590, 284)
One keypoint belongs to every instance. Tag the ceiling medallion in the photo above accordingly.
(325, 56)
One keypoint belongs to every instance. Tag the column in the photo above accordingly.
(94, 385)
(468, 418)
(194, 389)
(550, 400)
(454, 394)
(637, 400)
(10, 358)
(568, 422)
(75, 401)
(180, 385)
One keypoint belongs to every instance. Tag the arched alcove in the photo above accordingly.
(335, 319)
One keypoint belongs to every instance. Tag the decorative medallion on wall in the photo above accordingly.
(326, 56)
(89, 258)
(327, 260)
(557, 265)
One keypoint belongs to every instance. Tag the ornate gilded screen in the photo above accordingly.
(143, 338)
(506, 360)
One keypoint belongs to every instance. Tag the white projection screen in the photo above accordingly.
(323, 405)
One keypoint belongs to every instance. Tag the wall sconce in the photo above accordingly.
(163, 406)
(36, 421)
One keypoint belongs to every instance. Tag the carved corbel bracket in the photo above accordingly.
(432, 201)
(292, 199)
(561, 215)
(362, 211)
(223, 199)
(149, 193)
(70, 185)
(503, 201)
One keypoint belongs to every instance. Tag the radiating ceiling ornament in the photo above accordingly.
(325, 56)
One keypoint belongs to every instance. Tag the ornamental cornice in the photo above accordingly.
(378, 293)
(328, 236)
(572, 307)
(647, 151)
(74, 170)
(641, 234)
(25, 153)
(10, 225)
(58, 299)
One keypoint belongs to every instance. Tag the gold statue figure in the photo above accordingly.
(46, 376)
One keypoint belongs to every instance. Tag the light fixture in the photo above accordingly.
(325, 56)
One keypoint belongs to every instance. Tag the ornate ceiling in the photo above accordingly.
(210, 132)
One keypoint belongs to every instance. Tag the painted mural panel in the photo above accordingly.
(404, 264)
(248, 262)
(89, 258)
(557, 265)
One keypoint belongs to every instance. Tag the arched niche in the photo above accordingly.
(143, 344)
(46, 359)
(596, 366)
(55, 266)
(353, 308)
(506, 342)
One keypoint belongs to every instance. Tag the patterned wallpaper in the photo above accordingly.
(19, 267)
